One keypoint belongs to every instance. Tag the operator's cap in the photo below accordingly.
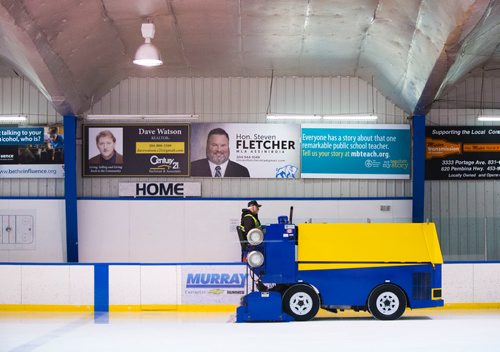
(254, 202)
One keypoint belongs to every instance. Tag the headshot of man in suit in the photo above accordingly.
(105, 142)
(217, 163)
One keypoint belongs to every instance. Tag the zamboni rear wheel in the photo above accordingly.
(387, 302)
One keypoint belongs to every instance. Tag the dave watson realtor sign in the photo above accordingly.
(157, 189)
(148, 150)
(245, 150)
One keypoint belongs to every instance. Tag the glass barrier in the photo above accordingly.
(469, 239)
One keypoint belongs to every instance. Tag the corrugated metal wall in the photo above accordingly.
(18, 96)
(245, 100)
(467, 213)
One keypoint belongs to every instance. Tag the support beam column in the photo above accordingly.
(418, 180)
(70, 188)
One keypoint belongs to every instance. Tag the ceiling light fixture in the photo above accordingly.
(143, 117)
(482, 117)
(488, 118)
(342, 117)
(319, 117)
(147, 54)
(13, 118)
(350, 117)
(292, 117)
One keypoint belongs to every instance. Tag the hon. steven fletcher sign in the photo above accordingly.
(248, 149)
(160, 189)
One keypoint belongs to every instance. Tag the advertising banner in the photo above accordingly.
(462, 153)
(215, 284)
(245, 150)
(151, 150)
(31, 152)
(356, 151)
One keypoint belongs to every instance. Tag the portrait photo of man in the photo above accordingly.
(217, 163)
(106, 144)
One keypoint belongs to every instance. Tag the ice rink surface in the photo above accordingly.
(419, 330)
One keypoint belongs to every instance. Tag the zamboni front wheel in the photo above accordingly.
(301, 302)
(387, 302)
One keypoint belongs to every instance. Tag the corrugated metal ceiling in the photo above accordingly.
(414, 50)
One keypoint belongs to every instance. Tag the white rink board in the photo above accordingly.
(166, 284)
(172, 230)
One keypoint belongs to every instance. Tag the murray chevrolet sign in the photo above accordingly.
(160, 189)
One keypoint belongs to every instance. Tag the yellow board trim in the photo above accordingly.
(119, 308)
(185, 307)
(174, 307)
(492, 305)
(337, 266)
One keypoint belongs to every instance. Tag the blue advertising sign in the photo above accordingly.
(356, 151)
(32, 152)
(21, 136)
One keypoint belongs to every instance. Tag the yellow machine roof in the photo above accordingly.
(366, 243)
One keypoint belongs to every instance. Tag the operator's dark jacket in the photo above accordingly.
(247, 222)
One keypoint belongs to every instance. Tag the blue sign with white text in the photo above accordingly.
(356, 151)
(32, 152)
(21, 136)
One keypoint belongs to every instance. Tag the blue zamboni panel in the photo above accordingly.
(261, 306)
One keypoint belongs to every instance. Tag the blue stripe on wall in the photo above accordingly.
(101, 288)
(243, 199)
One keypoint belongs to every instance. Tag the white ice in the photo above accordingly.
(424, 330)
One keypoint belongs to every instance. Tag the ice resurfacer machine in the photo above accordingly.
(382, 268)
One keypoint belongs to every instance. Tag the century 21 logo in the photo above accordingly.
(171, 163)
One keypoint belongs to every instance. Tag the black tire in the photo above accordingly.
(387, 302)
(301, 302)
